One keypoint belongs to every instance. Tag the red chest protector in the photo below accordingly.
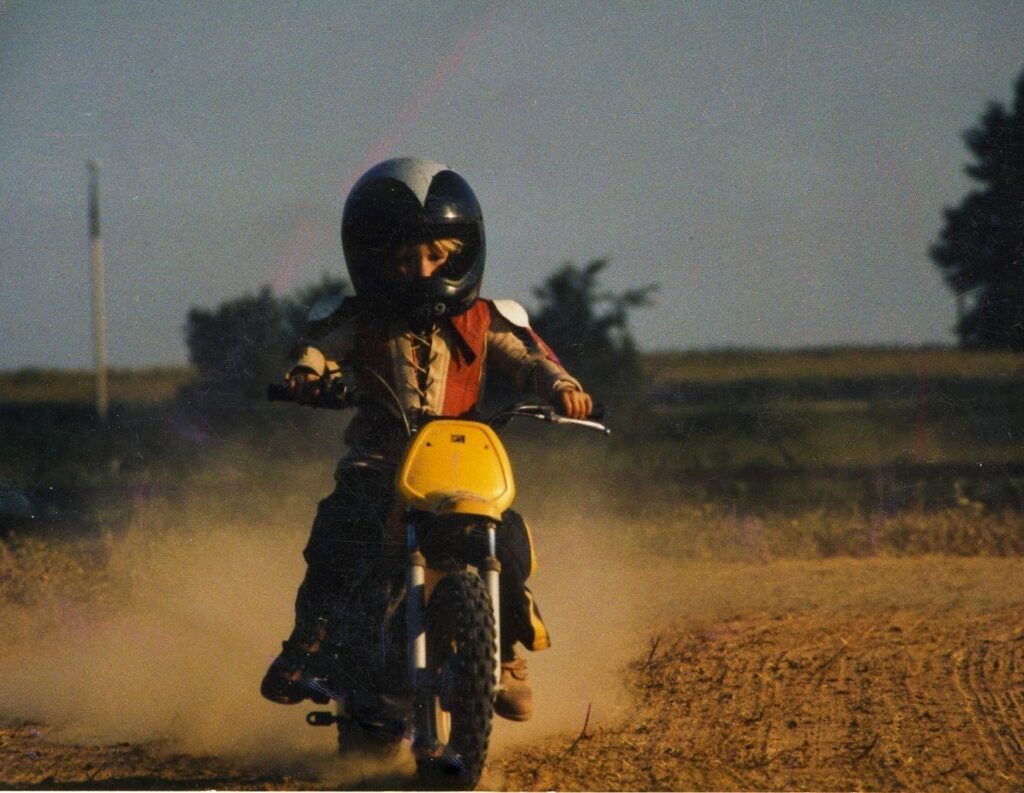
(373, 353)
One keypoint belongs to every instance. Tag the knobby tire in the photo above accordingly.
(460, 649)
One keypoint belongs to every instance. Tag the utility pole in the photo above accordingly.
(99, 319)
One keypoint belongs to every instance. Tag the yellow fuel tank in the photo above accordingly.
(457, 467)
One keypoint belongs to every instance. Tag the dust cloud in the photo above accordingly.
(204, 607)
(593, 602)
(203, 591)
(176, 656)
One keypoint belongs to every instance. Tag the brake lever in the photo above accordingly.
(597, 426)
(551, 415)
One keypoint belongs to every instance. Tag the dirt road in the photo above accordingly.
(879, 701)
(850, 674)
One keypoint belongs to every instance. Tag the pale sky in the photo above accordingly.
(779, 168)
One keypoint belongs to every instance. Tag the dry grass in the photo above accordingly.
(722, 366)
(61, 583)
(73, 385)
(722, 532)
(715, 366)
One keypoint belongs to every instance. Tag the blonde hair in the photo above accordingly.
(406, 255)
(448, 245)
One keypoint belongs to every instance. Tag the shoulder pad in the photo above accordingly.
(325, 307)
(513, 312)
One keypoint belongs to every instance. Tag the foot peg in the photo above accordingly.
(320, 718)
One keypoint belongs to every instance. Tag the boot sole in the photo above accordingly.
(514, 716)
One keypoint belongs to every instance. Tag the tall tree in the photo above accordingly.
(981, 248)
(231, 346)
(242, 344)
(588, 327)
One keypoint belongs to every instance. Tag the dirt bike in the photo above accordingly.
(432, 672)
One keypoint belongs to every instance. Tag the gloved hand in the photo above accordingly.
(576, 404)
(304, 385)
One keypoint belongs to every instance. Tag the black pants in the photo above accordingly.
(352, 569)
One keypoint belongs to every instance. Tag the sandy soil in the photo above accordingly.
(892, 700)
(844, 674)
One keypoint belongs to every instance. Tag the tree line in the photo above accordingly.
(242, 344)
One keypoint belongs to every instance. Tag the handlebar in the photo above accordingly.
(550, 415)
(334, 395)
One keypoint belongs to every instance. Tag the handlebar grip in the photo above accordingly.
(330, 398)
(276, 392)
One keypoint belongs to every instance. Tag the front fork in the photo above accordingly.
(416, 635)
(492, 572)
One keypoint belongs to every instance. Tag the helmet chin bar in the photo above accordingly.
(418, 312)
(427, 312)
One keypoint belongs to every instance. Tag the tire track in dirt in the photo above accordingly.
(880, 675)
(985, 677)
(933, 662)
(894, 699)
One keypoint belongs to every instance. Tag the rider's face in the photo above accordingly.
(420, 260)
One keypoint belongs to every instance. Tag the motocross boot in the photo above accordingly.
(284, 681)
(514, 700)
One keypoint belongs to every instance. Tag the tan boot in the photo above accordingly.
(514, 700)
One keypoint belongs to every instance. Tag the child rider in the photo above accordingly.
(416, 332)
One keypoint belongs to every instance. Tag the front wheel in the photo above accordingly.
(460, 652)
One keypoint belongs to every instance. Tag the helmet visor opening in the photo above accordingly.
(429, 255)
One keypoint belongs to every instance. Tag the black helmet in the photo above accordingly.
(408, 201)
